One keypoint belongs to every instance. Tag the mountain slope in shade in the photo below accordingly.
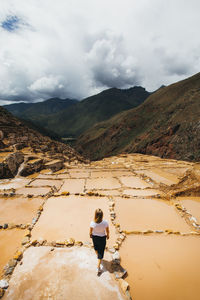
(167, 124)
(78, 117)
(34, 111)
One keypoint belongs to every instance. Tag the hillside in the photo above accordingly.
(76, 118)
(35, 111)
(20, 144)
(167, 124)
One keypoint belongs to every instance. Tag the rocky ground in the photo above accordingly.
(153, 208)
(24, 151)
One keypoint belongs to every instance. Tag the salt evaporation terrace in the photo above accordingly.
(154, 227)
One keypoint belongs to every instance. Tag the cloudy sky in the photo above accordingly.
(76, 48)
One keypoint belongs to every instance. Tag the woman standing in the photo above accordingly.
(99, 231)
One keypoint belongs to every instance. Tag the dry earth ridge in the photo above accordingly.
(152, 205)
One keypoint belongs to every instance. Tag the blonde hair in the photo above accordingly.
(98, 216)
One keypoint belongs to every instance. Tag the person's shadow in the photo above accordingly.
(112, 267)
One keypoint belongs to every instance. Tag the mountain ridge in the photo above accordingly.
(166, 125)
(80, 116)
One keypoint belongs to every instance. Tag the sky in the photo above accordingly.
(75, 48)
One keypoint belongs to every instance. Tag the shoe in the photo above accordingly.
(98, 271)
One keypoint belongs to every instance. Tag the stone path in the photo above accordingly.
(45, 222)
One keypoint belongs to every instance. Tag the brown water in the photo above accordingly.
(75, 174)
(145, 214)
(192, 204)
(160, 176)
(36, 191)
(46, 182)
(134, 182)
(73, 186)
(66, 217)
(18, 210)
(10, 242)
(63, 176)
(69, 216)
(162, 267)
(13, 183)
(104, 174)
(102, 183)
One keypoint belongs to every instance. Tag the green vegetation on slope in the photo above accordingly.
(36, 111)
(167, 124)
(80, 116)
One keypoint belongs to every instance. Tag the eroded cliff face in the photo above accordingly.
(20, 144)
(153, 209)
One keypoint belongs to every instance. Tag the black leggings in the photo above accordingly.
(99, 243)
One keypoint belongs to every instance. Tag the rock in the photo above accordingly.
(13, 161)
(60, 243)
(124, 285)
(27, 233)
(32, 167)
(18, 255)
(34, 242)
(25, 240)
(10, 266)
(40, 208)
(119, 271)
(116, 257)
(54, 165)
(2, 291)
(41, 241)
(112, 250)
(5, 226)
(116, 246)
(119, 242)
(19, 146)
(4, 284)
(78, 243)
(122, 236)
(70, 242)
(34, 220)
(147, 231)
(65, 193)
(23, 226)
(11, 225)
(30, 196)
(178, 206)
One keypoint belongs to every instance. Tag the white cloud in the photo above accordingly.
(76, 48)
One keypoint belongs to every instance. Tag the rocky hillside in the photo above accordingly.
(167, 124)
(20, 144)
(80, 116)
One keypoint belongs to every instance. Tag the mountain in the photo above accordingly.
(80, 116)
(167, 124)
(35, 111)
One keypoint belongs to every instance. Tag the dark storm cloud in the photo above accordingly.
(77, 48)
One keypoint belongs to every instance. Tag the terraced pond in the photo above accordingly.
(154, 222)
